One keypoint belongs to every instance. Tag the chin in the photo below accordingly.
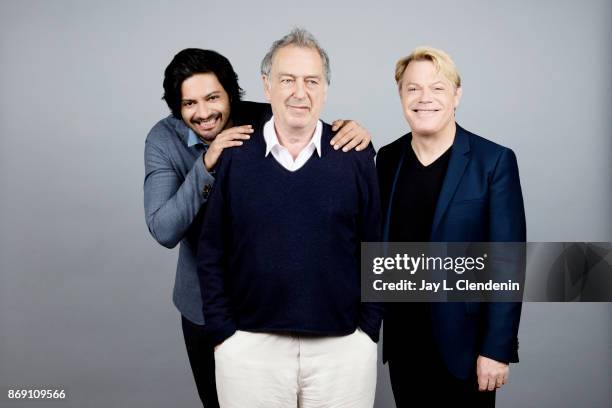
(425, 131)
(298, 124)
(209, 136)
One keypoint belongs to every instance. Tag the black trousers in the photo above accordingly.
(202, 361)
(423, 381)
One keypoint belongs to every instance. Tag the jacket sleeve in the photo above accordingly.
(171, 204)
(506, 224)
(370, 231)
(213, 259)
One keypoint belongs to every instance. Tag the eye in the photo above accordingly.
(438, 88)
(411, 89)
(286, 81)
(188, 103)
(312, 82)
(213, 97)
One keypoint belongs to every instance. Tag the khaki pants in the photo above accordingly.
(274, 370)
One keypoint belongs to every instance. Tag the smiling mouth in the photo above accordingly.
(207, 124)
(425, 113)
(303, 108)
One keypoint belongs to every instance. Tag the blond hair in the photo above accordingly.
(441, 60)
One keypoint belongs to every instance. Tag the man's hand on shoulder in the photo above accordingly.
(492, 374)
(351, 135)
(228, 138)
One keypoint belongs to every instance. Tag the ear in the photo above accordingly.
(458, 93)
(266, 85)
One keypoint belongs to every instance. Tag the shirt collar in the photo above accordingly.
(187, 135)
(271, 138)
(193, 139)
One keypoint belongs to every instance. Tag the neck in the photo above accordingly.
(294, 140)
(429, 147)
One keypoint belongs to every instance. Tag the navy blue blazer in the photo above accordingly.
(480, 201)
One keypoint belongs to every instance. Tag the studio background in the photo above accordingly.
(85, 292)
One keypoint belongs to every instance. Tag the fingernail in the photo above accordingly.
(345, 150)
(336, 147)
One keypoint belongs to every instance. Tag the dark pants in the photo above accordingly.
(202, 361)
(424, 381)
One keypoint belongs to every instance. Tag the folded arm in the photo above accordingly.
(171, 204)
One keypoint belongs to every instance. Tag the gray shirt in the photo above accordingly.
(176, 186)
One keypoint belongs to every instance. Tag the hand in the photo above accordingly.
(350, 135)
(228, 138)
(491, 374)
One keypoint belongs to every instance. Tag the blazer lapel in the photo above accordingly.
(456, 166)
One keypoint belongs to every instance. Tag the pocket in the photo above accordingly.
(468, 201)
(227, 342)
(363, 334)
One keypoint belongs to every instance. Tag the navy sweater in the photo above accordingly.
(279, 250)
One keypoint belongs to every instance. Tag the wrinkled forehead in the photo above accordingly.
(297, 61)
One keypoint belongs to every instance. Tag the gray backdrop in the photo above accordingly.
(85, 292)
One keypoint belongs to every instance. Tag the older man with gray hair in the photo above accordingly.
(279, 251)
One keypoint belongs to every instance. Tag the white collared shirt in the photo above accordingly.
(280, 152)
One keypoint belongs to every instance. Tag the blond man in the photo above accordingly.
(441, 183)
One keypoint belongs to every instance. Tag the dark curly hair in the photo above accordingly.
(191, 61)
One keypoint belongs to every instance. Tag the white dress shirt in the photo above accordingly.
(280, 152)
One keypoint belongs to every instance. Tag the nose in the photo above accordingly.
(425, 95)
(299, 90)
(202, 110)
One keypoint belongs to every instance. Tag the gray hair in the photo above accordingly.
(298, 37)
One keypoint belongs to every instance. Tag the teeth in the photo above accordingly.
(207, 122)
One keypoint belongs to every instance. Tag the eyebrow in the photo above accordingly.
(304, 76)
(433, 83)
(205, 96)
